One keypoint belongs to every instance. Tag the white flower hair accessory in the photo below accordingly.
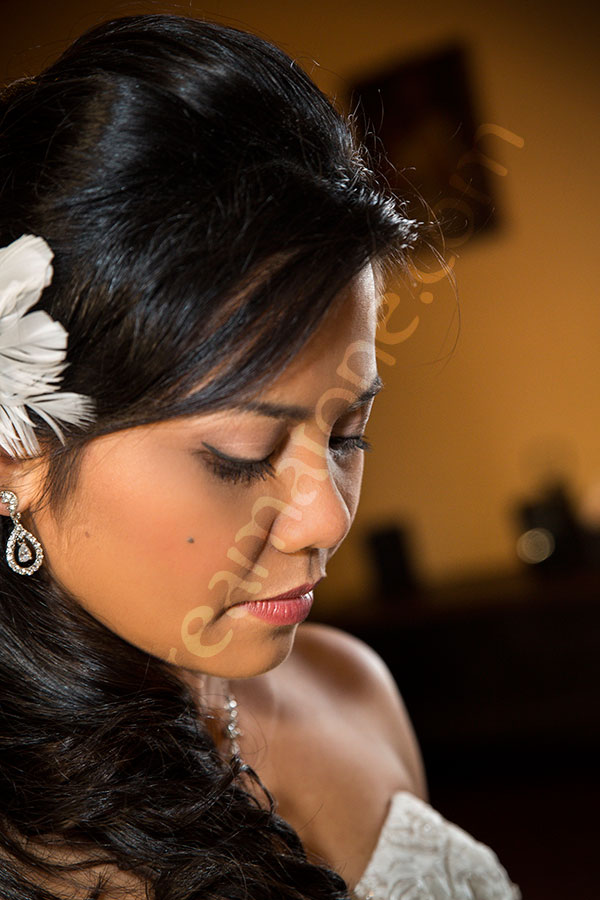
(33, 349)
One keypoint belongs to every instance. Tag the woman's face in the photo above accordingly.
(174, 527)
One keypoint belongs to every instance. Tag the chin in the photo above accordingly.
(246, 658)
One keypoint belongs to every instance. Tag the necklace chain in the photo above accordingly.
(232, 729)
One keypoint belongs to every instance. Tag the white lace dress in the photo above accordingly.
(422, 856)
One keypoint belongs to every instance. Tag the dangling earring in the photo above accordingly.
(26, 543)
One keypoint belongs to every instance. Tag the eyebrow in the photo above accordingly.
(296, 413)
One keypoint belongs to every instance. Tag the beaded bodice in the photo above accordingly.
(422, 856)
(419, 855)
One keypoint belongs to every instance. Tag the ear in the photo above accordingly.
(24, 477)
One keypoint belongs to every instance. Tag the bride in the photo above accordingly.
(193, 258)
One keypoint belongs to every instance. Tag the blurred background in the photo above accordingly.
(474, 563)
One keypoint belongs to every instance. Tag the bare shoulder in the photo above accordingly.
(335, 743)
(348, 666)
(351, 675)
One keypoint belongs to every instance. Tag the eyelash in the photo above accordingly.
(247, 472)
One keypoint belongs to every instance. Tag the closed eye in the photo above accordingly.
(238, 470)
(235, 470)
(343, 445)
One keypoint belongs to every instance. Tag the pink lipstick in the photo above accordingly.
(284, 609)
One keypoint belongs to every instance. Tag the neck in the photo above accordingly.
(209, 690)
(217, 706)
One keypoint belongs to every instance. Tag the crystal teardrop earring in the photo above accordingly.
(28, 549)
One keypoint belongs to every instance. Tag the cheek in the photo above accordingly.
(143, 539)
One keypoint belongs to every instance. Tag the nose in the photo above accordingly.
(317, 512)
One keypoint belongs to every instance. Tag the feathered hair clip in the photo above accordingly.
(33, 349)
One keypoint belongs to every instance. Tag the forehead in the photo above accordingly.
(347, 331)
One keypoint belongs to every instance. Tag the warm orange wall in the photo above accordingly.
(456, 444)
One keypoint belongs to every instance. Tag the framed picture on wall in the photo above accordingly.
(418, 120)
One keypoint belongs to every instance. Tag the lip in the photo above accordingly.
(290, 595)
(280, 612)
(288, 608)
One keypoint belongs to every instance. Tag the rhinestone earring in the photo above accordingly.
(21, 540)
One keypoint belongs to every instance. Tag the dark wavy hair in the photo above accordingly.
(206, 205)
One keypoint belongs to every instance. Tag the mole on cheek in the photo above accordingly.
(190, 540)
(87, 534)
